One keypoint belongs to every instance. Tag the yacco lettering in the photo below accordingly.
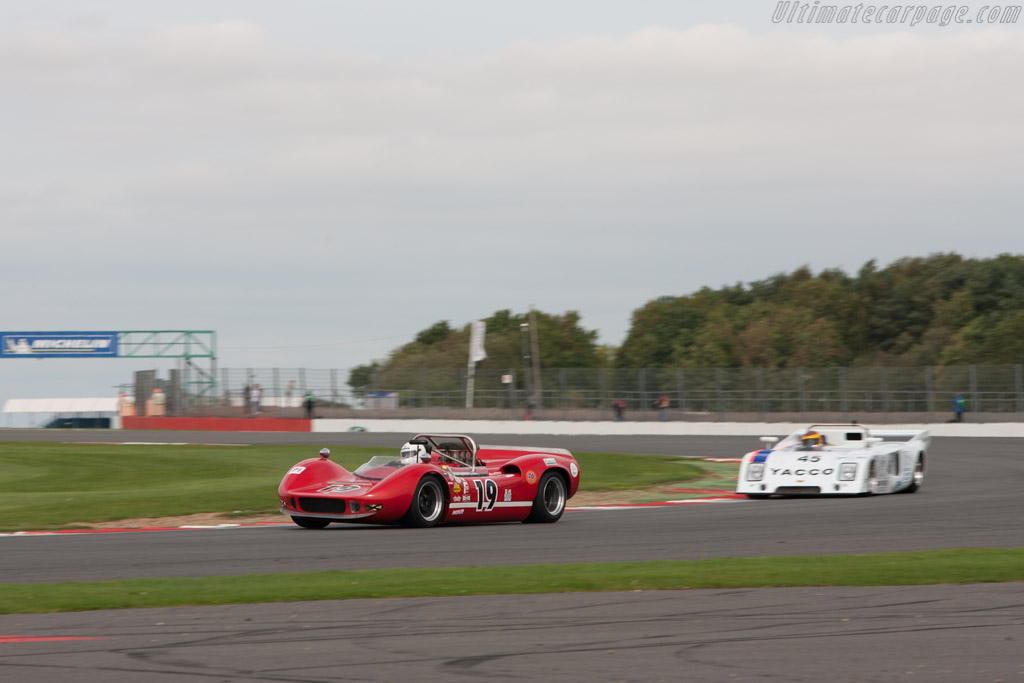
(802, 473)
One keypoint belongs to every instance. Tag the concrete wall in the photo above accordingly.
(635, 428)
(217, 424)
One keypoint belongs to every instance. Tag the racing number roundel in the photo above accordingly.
(531, 477)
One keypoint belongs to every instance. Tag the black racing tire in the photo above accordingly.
(917, 478)
(758, 496)
(311, 522)
(549, 504)
(427, 506)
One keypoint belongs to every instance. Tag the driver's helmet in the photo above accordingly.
(812, 440)
(411, 453)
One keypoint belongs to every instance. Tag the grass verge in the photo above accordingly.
(964, 565)
(55, 485)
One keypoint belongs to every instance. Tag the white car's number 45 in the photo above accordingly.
(809, 458)
(486, 494)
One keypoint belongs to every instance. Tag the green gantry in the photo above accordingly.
(184, 344)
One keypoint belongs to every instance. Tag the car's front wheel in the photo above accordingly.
(427, 506)
(311, 522)
(549, 504)
(758, 496)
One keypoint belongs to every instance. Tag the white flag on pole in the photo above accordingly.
(476, 341)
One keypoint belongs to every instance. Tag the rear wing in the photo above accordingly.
(916, 437)
(901, 434)
(856, 434)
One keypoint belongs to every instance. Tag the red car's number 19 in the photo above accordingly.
(486, 494)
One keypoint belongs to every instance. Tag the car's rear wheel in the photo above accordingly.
(427, 505)
(311, 522)
(917, 479)
(758, 496)
(549, 504)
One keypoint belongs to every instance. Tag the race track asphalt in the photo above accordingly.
(935, 634)
(930, 633)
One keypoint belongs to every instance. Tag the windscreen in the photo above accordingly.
(378, 467)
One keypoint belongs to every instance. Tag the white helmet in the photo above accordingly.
(412, 453)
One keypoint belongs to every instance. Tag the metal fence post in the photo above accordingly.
(929, 387)
(603, 391)
(511, 394)
(642, 377)
(718, 393)
(277, 386)
(801, 395)
(759, 375)
(681, 392)
(975, 402)
(562, 387)
(421, 398)
(884, 379)
(1018, 375)
(844, 404)
(335, 397)
(463, 378)
(186, 383)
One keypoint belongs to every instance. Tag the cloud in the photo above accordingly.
(205, 48)
(591, 173)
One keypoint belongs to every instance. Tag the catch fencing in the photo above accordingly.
(870, 394)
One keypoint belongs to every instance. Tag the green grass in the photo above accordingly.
(55, 485)
(965, 565)
(621, 472)
(52, 485)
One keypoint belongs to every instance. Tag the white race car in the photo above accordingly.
(836, 459)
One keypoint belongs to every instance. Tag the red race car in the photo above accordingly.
(434, 479)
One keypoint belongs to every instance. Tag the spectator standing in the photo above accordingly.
(246, 397)
(959, 406)
(308, 402)
(620, 409)
(663, 404)
(254, 399)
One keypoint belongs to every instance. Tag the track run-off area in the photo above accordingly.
(971, 498)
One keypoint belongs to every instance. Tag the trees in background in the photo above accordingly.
(939, 310)
(562, 343)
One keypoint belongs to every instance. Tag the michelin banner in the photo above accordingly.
(58, 344)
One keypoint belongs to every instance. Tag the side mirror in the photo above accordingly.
(769, 441)
(325, 453)
(425, 457)
(873, 440)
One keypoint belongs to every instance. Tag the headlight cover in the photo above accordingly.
(847, 471)
(755, 471)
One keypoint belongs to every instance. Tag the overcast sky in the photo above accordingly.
(319, 180)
